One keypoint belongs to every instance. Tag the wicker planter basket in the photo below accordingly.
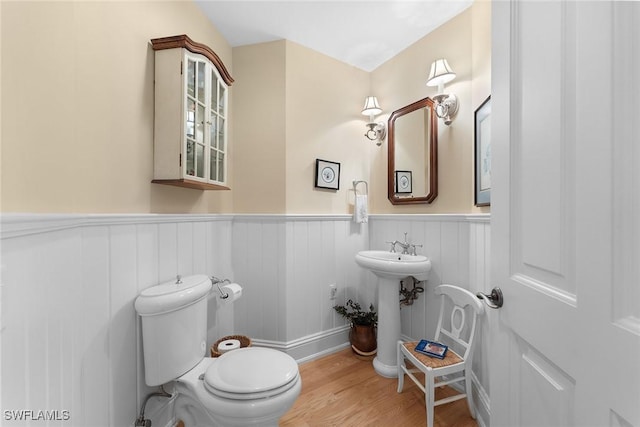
(244, 342)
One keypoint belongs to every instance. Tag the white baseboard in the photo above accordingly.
(312, 346)
(482, 402)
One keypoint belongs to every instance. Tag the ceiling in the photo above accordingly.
(362, 33)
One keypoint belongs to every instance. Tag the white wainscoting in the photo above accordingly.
(70, 337)
(286, 264)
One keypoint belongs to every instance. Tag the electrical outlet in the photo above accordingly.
(333, 290)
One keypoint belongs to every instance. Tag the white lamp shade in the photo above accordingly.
(371, 106)
(440, 73)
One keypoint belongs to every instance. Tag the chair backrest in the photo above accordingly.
(460, 327)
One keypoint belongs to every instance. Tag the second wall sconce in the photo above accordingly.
(377, 131)
(446, 104)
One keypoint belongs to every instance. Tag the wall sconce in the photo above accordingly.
(446, 104)
(377, 131)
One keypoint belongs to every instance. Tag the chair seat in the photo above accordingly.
(451, 358)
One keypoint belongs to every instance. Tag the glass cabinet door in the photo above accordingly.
(195, 118)
(205, 130)
(218, 129)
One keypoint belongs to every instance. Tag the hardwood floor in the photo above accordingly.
(343, 390)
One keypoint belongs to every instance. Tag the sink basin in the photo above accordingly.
(389, 268)
(393, 265)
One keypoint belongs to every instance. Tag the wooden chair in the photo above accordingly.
(458, 332)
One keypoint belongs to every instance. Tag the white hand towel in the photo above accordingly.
(360, 209)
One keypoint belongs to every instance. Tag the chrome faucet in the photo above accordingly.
(407, 248)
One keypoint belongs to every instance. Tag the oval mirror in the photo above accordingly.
(413, 154)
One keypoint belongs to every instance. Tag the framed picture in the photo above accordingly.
(403, 182)
(327, 174)
(482, 148)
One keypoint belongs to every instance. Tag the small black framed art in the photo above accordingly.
(327, 174)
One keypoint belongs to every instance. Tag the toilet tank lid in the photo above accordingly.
(172, 295)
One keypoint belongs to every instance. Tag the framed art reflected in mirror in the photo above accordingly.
(482, 148)
(403, 182)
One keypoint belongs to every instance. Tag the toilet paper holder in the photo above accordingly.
(215, 281)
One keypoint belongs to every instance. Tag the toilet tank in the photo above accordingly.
(174, 327)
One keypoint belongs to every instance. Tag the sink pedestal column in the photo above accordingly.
(386, 363)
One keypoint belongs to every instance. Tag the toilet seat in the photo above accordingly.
(251, 373)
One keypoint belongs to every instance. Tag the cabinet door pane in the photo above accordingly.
(191, 78)
(214, 92)
(220, 167)
(191, 164)
(201, 81)
(221, 104)
(213, 134)
(221, 134)
(191, 118)
(200, 160)
(200, 123)
(213, 175)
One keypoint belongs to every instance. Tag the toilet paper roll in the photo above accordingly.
(228, 345)
(233, 290)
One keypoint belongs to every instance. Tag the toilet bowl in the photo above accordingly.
(251, 386)
(244, 387)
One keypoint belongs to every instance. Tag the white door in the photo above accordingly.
(565, 347)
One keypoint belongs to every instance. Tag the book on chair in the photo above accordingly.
(432, 348)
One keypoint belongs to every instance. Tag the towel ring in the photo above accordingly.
(355, 187)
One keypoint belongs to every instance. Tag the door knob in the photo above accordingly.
(493, 300)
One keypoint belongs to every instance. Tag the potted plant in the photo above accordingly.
(362, 335)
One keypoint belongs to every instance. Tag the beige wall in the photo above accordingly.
(77, 113)
(324, 100)
(292, 106)
(259, 167)
(464, 42)
(77, 106)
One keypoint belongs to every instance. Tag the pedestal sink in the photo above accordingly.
(389, 268)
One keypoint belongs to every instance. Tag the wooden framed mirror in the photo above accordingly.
(413, 154)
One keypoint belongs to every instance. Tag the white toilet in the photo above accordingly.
(243, 387)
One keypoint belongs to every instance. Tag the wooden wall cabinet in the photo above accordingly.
(191, 115)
